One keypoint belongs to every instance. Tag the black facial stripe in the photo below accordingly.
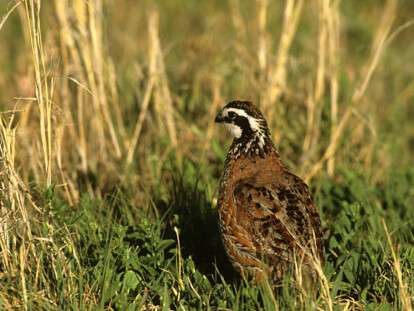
(244, 124)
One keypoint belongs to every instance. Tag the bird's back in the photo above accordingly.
(268, 216)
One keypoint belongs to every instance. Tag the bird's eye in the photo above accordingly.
(232, 115)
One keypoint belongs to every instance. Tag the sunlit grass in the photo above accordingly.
(110, 159)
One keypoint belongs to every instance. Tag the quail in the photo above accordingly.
(267, 216)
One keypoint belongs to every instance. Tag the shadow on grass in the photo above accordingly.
(192, 213)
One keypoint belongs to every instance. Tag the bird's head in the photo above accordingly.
(246, 123)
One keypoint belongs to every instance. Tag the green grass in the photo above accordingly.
(144, 236)
(110, 254)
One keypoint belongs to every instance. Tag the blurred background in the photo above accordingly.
(107, 111)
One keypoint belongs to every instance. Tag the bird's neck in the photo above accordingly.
(257, 144)
(242, 161)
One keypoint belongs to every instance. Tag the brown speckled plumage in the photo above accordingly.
(266, 214)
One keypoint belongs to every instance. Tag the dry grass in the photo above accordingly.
(72, 128)
(403, 288)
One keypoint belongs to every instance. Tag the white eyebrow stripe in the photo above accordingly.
(240, 112)
(254, 125)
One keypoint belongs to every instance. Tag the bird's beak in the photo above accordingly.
(219, 118)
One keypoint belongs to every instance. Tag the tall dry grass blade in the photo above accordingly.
(262, 51)
(403, 288)
(43, 95)
(333, 48)
(277, 76)
(22, 264)
(217, 100)
(157, 84)
(86, 63)
(83, 59)
(95, 14)
(162, 95)
(72, 194)
(377, 50)
(114, 98)
(143, 112)
(92, 122)
(378, 47)
(237, 19)
(239, 26)
(17, 211)
(71, 59)
(317, 266)
(328, 56)
(6, 16)
(313, 101)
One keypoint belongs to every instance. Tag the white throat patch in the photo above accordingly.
(235, 130)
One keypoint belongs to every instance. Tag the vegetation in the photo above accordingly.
(110, 159)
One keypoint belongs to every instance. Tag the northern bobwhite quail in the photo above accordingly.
(267, 216)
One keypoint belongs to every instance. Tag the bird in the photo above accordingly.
(266, 214)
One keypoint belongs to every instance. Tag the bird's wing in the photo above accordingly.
(279, 217)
